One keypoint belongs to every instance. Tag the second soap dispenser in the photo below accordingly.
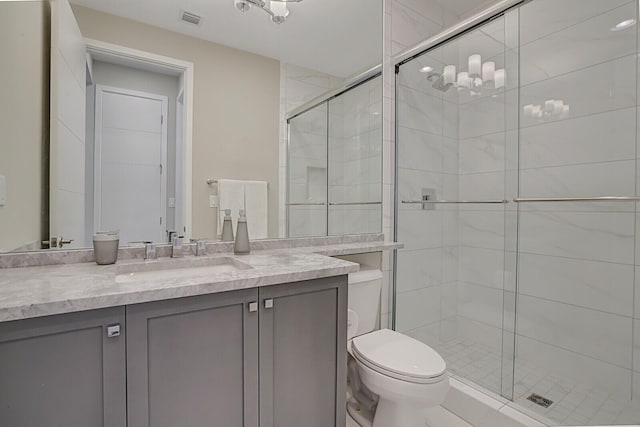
(242, 235)
(227, 227)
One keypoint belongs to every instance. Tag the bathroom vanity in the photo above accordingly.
(256, 340)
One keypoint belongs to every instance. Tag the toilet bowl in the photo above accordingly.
(404, 375)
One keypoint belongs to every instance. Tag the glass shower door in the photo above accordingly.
(455, 145)
(577, 260)
(307, 173)
(355, 160)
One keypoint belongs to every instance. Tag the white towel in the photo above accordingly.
(257, 209)
(250, 196)
(230, 196)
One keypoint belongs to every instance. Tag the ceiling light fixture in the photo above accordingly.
(623, 25)
(277, 9)
(426, 69)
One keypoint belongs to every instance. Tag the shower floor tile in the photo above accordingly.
(574, 404)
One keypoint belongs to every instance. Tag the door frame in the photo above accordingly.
(122, 55)
(97, 167)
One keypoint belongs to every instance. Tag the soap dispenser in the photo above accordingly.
(242, 235)
(227, 227)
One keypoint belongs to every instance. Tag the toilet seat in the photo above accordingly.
(398, 356)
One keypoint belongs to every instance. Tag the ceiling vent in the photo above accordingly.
(189, 17)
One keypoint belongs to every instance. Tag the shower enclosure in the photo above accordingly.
(334, 183)
(517, 189)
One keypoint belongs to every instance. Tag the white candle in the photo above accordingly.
(488, 71)
(528, 110)
(557, 106)
(475, 65)
(463, 79)
(548, 106)
(449, 74)
(499, 78)
(537, 111)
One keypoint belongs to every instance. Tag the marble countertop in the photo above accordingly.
(46, 290)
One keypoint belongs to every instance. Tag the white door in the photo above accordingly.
(130, 164)
(67, 132)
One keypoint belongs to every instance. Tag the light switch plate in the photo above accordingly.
(213, 201)
(3, 190)
(172, 202)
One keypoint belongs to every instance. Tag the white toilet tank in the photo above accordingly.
(364, 300)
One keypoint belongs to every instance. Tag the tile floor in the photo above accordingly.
(575, 404)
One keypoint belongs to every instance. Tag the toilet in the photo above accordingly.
(394, 378)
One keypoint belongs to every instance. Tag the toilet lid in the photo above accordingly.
(398, 355)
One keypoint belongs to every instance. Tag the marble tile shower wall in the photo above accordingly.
(576, 260)
(578, 306)
(355, 159)
(308, 173)
(352, 162)
(298, 86)
(407, 23)
(449, 279)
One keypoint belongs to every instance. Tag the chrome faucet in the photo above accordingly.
(176, 247)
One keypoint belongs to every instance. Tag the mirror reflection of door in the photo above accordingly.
(130, 164)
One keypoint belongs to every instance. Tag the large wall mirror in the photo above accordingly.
(153, 116)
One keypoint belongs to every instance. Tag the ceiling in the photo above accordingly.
(337, 37)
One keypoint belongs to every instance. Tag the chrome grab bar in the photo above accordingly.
(354, 203)
(333, 204)
(579, 199)
(307, 204)
(454, 202)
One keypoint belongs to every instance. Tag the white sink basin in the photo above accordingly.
(178, 269)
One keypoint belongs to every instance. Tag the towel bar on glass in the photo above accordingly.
(454, 202)
(354, 203)
(578, 199)
(211, 181)
(333, 204)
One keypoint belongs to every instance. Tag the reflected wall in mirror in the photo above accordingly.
(118, 114)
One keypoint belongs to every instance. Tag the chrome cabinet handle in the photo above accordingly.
(113, 330)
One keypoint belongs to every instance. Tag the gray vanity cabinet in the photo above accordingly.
(64, 370)
(303, 336)
(193, 361)
(269, 357)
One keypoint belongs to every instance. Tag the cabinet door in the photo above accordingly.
(63, 371)
(303, 350)
(193, 361)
